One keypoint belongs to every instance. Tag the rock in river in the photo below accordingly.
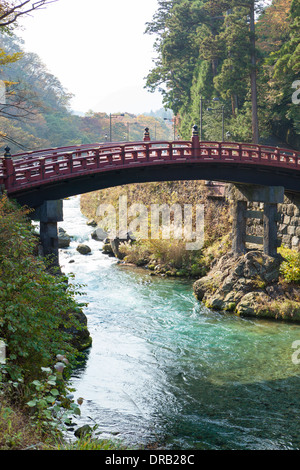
(64, 239)
(83, 249)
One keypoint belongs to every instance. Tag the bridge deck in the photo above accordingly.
(26, 171)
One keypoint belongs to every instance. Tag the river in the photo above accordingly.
(166, 371)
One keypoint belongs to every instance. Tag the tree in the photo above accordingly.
(273, 27)
(282, 69)
(197, 33)
(11, 10)
(176, 24)
(253, 76)
(233, 80)
(34, 305)
(14, 98)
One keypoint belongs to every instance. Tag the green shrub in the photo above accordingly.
(135, 253)
(52, 406)
(290, 267)
(35, 307)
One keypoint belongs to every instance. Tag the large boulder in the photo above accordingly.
(107, 249)
(111, 245)
(80, 335)
(64, 239)
(246, 284)
(99, 234)
(83, 249)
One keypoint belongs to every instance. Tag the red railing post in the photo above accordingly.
(195, 142)
(147, 135)
(147, 152)
(42, 169)
(8, 166)
(122, 155)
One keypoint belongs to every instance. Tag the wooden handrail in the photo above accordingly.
(25, 170)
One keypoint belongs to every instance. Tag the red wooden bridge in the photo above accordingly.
(52, 174)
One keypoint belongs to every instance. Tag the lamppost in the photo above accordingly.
(111, 116)
(223, 119)
(174, 121)
(202, 101)
(128, 129)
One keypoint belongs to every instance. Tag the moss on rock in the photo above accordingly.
(249, 285)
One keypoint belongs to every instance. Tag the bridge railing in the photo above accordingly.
(35, 168)
(50, 166)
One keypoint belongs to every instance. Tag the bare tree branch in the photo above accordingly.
(10, 11)
(6, 138)
(19, 103)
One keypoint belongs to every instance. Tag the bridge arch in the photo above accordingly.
(52, 174)
(35, 178)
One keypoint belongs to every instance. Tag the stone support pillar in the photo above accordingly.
(271, 196)
(49, 214)
(239, 227)
(270, 229)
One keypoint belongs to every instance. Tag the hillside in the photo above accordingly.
(38, 113)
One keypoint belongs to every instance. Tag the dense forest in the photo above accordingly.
(243, 53)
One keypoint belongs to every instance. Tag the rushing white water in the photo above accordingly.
(165, 369)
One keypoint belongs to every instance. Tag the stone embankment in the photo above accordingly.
(249, 285)
(288, 222)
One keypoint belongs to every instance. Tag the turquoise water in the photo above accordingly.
(164, 369)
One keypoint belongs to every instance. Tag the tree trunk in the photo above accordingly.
(255, 130)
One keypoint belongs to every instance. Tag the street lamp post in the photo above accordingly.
(172, 120)
(202, 101)
(223, 119)
(128, 129)
(111, 116)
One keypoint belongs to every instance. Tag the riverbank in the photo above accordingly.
(250, 285)
(165, 257)
(43, 329)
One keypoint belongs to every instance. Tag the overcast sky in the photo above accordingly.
(98, 50)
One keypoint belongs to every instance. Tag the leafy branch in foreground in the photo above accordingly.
(36, 309)
(52, 404)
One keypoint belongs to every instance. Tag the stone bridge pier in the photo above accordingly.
(49, 214)
(241, 196)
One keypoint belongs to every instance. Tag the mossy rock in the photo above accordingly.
(151, 267)
(107, 249)
(230, 306)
